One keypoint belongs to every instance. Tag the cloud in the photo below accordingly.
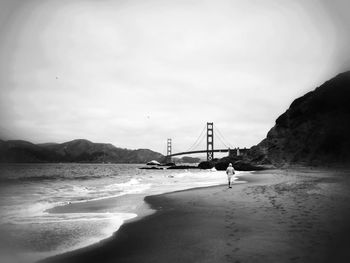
(135, 73)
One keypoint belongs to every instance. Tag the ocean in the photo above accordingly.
(27, 191)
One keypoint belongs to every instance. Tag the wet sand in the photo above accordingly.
(298, 215)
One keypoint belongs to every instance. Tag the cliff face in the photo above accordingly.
(315, 130)
(73, 151)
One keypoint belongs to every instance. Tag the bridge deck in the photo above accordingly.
(205, 151)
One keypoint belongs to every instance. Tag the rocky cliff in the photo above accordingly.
(315, 130)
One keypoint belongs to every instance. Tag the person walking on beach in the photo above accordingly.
(230, 171)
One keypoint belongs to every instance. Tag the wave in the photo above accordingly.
(48, 218)
(84, 229)
(68, 195)
(133, 186)
(74, 230)
(52, 178)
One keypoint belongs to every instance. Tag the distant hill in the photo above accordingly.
(188, 159)
(315, 130)
(73, 151)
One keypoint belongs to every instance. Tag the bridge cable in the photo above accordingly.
(220, 139)
(199, 140)
(227, 142)
(195, 148)
(218, 132)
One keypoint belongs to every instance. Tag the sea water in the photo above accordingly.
(28, 191)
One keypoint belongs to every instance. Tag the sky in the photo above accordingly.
(134, 73)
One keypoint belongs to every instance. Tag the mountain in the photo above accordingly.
(188, 159)
(315, 130)
(73, 151)
(23, 151)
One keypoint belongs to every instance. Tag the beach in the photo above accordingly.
(51, 209)
(291, 215)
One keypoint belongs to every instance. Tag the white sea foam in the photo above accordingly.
(28, 206)
(112, 222)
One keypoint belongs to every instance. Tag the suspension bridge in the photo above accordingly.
(209, 135)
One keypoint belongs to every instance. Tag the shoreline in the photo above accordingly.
(201, 218)
(128, 203)
(143, 211)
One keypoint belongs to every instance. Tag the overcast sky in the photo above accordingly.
(134, 73)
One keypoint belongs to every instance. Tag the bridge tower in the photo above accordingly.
(168, 150)
(210, 141)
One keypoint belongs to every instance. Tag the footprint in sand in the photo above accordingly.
(230, 258)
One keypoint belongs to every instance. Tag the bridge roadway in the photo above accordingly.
(205, 151)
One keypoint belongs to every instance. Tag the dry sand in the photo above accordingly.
(298, 215)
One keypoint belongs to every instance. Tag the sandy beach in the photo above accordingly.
(296, 215)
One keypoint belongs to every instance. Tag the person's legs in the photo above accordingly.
(229, 181)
